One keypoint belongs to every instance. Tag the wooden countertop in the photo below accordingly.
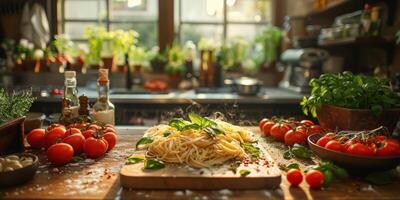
(90, 179)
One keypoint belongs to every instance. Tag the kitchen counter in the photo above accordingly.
(98, 179)
(266, 95)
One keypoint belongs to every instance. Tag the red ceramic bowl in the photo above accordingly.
(353, 162)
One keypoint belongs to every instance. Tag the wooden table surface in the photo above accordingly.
(98, 179)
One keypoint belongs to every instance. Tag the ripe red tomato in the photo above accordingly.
(335, 146)
(111, 139)
(389, 148)
(307, 122)
(293, 136)
(60, 153)
(279, 130)
(88, 133)
(267, 127)
(315, 179)
(94, 147)
(379, 138)
(71, 131)
(360, 150)
(76, 141)
(315, 129)
(94, 127)
(294, 176)
(262, 122)
(109, 129)
(330, 135)
(36, 137)
(322, 141)
(52, 136)
(80, 126)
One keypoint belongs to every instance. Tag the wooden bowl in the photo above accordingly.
(332, 117)
(12, 136)
(22, 175)
(352, 162)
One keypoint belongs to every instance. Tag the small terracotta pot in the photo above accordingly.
(174, 80)
(332, 117)
(109, 63)
(12, 136)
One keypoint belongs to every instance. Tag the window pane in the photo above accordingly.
(202, 10)
(195, 32)
(76, 29)
(86, 9)
(247, 31)
(140, 10)
(249, 10)
(147, 32)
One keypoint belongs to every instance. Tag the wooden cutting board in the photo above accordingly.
(265, 174)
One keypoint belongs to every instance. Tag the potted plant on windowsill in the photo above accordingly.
(13, 107)
(175, 66)
(352, 102)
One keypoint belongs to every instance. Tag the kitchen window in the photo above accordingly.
(140, 15)
(221, 19)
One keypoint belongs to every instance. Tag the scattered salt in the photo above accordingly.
(178, 193)
(56, 170)
(204, 198)
(368, 188)
(188, 192)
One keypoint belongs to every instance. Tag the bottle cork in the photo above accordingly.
(69, 74)
(103, 76)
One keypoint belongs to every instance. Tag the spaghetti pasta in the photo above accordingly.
(195, 146)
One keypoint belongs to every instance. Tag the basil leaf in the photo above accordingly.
(134, 159)
(254, 152)
(301, 151)
(339, 172)
(379, 178)
(153, 164)
(144, 140)
(167, 133)
(328, 177)
(288, 154)
(292, 166)
(244, 172)
(76, 159)
(178, 123)
(195, 119)
(191, 127)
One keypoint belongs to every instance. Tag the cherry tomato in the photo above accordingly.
(360, 150)
(379, 138)
(109, 129)
(88, 133)
(293, 136)
(315, 129)
(267, 127)
(52, 136)
(111, 139)
(36, 137)
(334, 146)
(323, 140)
(294, 176)
(71, 131)
(315, 179)
(307, 122)
(76, 141)
(60, 153)
(302, 129)
(279, 130)
(94, 127)
(262, 122)
(94, 147)
(330, 135)
(80, 126)
(389, 148)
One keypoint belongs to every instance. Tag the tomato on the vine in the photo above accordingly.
(88, 133)
(52, 136)
(388, 147)
(307, 122)
(315, 129)
(60, 153)
(294, 176)
(262, 122)
(360, 150)
(279, 130)
(71, 131)
(95, 147)
(76, 141)
(267, 128)
(292, 136)
(334, 145)
(323, 140)
(111, 139)
(315, 179)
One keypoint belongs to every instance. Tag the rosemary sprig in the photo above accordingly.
(14, 104)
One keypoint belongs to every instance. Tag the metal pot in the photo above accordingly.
(247, 86)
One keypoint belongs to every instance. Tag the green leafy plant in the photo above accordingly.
(298, 151)
(15, 104)
(270, 40)
(176, 58)
(350, 91)
(138, 56)
(197, 123)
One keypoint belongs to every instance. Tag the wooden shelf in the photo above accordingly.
(329, 7)
(371, 41)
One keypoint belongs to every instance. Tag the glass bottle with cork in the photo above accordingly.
(103, 110)
(71, 93)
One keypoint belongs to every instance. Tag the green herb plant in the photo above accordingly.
(14, 104)
(350, 91)
(197, 123)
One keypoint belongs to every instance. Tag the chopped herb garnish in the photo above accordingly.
(197, 123)
(76, 159)
(289, 166)
(134, 159)
(153, 164)
(144, 140)
(167, 133)
(244, 172)
(251, 150)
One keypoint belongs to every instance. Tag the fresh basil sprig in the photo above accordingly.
(298, 151)
(350, 91)
(244, 172)
(196, 123)
(251, 150)
(143, 140)
(134, 159)
(153, 164)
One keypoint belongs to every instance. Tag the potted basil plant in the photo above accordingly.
(13, 107)
(352, 102)
(176, 64)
